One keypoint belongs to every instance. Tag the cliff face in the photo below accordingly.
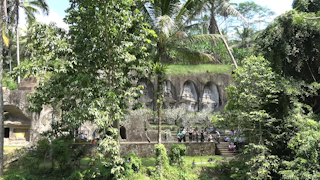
(195, 92)
(19, 120)
(206, 86)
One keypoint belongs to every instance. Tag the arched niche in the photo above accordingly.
(169, 95)
(210, 97)
(16, 124)
(147, 96)
(189, 96)
(123, 132)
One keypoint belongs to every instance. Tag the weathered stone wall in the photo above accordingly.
(198, 83)
(16, 105)
(200, 80)
(137, 129)
(146, 150)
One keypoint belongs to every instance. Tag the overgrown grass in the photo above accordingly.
(198, 69)
(9, 149)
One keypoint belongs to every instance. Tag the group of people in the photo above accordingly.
(194, 136)
(237, 141)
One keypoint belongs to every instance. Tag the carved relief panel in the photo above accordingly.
(210, 97)
(189, 96)
(147, 93)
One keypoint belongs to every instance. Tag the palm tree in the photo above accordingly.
(223, 8)
(170, 19)
(245, 38)
(30, 8)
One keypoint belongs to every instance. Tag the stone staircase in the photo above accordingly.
(223, 148)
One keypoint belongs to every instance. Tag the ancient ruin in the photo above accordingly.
(196, 92)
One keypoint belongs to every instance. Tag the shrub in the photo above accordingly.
(42, 148)
(9, 83)
(14, 177)
(161, 160)
(29, 163)
(178, 151)
(76, 175)
(132, 162)
(61, 152)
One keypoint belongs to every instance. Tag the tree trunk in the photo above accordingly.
(227, 47)
(213, 27)
(10, 60)
(158, 106)
(1, 93)
(17, 32)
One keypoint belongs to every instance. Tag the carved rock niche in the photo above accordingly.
(169, 95)
(210, 97)
(147, 93)
(189, 96)
(16, 124)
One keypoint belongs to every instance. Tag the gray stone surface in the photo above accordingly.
(146, 150)
(197, 91)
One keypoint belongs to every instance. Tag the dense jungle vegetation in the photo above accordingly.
(86, 71)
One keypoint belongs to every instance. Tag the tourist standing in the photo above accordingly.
(184, 135)
(218, 137)
(190, 135)
(197, 136)
(166, 136)
(180, 136)
(202, 136)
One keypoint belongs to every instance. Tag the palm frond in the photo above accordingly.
(189, 12)
(232, 11)
(195, 39)
(30, 11)
(165, 25)
(193, 57)
(147, 12)
(41, 4)
(166, 7)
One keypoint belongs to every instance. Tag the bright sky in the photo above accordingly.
(57, 8)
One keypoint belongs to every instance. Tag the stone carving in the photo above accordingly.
(147, 93)
(17, 126)
(210, 97)
(169, 95)
(189, 97)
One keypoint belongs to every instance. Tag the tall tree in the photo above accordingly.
(1, 93)
(30, 8)
(222, 7)
(170, 19)
(265, 108)
(290, 44)
(107, 41)
(306, 5)
(256, 15)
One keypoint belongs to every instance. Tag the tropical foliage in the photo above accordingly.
(90, 76)
(265, 108)
(306, 5)
(290, 45)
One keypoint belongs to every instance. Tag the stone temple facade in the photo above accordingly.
(20, 125)
(196, 92)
